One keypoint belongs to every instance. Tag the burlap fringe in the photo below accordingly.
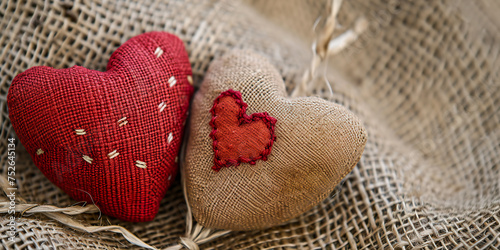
(62, 215)
(195, 233)
(324, 46)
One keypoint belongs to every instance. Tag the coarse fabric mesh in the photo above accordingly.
(423, 78)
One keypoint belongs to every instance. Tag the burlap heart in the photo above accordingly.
(111, 137)
(317, 144)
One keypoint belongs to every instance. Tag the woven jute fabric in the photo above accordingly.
(317, 145)
(423, 78)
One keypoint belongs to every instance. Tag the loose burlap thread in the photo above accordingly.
(423, 78)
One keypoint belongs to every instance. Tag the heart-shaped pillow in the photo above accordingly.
(111, 137)
(257, 158)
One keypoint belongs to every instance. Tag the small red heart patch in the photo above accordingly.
(238, 137)
(111, 137)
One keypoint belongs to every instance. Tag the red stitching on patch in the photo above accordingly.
(243, 118)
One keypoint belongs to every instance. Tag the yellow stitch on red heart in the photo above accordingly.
(87, 159)
(122, 121)
(162, 106)
(158, 52)
(190, 79)
(172, 81)
(39, 151)
(170, 138)
(113, 154)
(80, 131)
(140, 164)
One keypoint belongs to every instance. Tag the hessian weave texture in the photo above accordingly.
(423, 79)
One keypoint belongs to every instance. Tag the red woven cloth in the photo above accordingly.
(238, 137)
(111, 137)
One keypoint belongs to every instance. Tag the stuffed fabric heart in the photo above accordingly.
(111, 137)
(256, 158)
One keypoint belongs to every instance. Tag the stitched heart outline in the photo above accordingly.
(220, 160)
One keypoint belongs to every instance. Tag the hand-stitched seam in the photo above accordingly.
(243, 118)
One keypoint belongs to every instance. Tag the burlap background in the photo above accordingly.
(423, 78)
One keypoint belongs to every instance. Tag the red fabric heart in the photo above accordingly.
(109, 137)
(238, 137)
